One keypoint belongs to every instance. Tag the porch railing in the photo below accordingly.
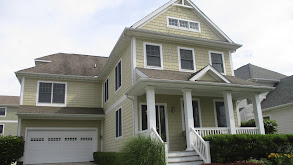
(201, 146)
(155, 136)
(211, 131)
(247, 130)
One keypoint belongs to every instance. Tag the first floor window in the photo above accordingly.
(118, 74)
(1, 129)
(106, 90)
(118, 116)
(153, 55)
(217, 62)
(186, 59)
(221, 114)
(196, 114)
(2, 111)
(51, 93)
(267, 118)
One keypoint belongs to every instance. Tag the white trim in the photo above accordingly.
(47, 61)
(21, 90)
(116, 90)
(179, 59)
(153, 14)
(135, 116)
(51, 104)
(182, 112)
(231, 64)
(3, 129)
(5, 111)
(166, 118)
(189, 7)
(102, 135)
(8, 121)
(105, 101)
(211, 71)
(223, 59)
(141, 74)
(133, 59)
(119, 137)
(145, 58)
(18, 126)
(183, 28)
(116, 104)
(215, 110)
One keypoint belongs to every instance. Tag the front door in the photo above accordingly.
(161, 121)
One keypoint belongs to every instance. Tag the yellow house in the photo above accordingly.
(169, 76)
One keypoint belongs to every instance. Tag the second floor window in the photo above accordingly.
(153, 55)
(51, 93)
(217, 61)
(106, 89)
(2, 111)
(186, 59)
(118, 74)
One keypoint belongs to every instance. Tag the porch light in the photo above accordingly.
(101, 137)
(173, 109)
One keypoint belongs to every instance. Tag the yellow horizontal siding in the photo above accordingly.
(159, 24)
(170, 55)
(79, 93)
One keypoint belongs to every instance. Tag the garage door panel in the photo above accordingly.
(53, 146)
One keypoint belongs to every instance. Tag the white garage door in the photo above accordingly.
(60, 145)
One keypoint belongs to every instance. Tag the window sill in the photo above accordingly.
(51, 105)
(180, 28)
(186, 70)
(154, 67)
(118, 138)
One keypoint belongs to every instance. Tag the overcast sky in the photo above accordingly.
(35, 28)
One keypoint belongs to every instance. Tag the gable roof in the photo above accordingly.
(283, 94)
(68, 64)
(250, 71)
(208, 70)
(9, 100)
(185, 76)
(192, 6)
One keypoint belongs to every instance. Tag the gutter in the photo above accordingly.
(61, 115)
(277, 107)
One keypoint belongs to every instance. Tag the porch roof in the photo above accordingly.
(172, 82)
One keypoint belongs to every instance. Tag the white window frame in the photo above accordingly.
(183, 116)
(223, 60)
(215, 111)
(104, 98)
(182, 28)
(5, 110)
(115, 76)
(179, 59)
(51, 104)
(145, 56)
(3, 129)
(166, 118)
(119, 137)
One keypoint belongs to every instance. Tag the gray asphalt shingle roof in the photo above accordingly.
(250, 71)
(69, 64)
(9, 100)
(283, 94)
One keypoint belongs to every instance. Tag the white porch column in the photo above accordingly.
(151, 107)
(258, 114)
(229, 112)
(188, 116)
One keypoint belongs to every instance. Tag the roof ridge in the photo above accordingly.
(60, 53)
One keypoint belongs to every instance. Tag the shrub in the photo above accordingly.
(107, 158)
(231, 148)
(236, 163)
(270, 125)
(11, 149)
(280, 159)
(143, 151)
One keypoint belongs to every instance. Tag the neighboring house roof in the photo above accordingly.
(185, 76)
(68, 64)
(9, 100)
(250, 71)
(283, 94)
(27, 109)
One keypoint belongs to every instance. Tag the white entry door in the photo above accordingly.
(60, 145)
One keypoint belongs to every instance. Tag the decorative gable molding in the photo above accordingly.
(180, 3)
(209, 70)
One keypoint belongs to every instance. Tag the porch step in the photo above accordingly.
(184, 158)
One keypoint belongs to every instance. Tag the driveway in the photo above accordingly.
(82, 163)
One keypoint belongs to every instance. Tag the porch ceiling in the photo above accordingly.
(212, 89)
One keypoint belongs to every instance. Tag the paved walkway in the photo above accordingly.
(82, 163)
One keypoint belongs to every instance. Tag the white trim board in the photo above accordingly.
(8, 121)
(212, 71)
